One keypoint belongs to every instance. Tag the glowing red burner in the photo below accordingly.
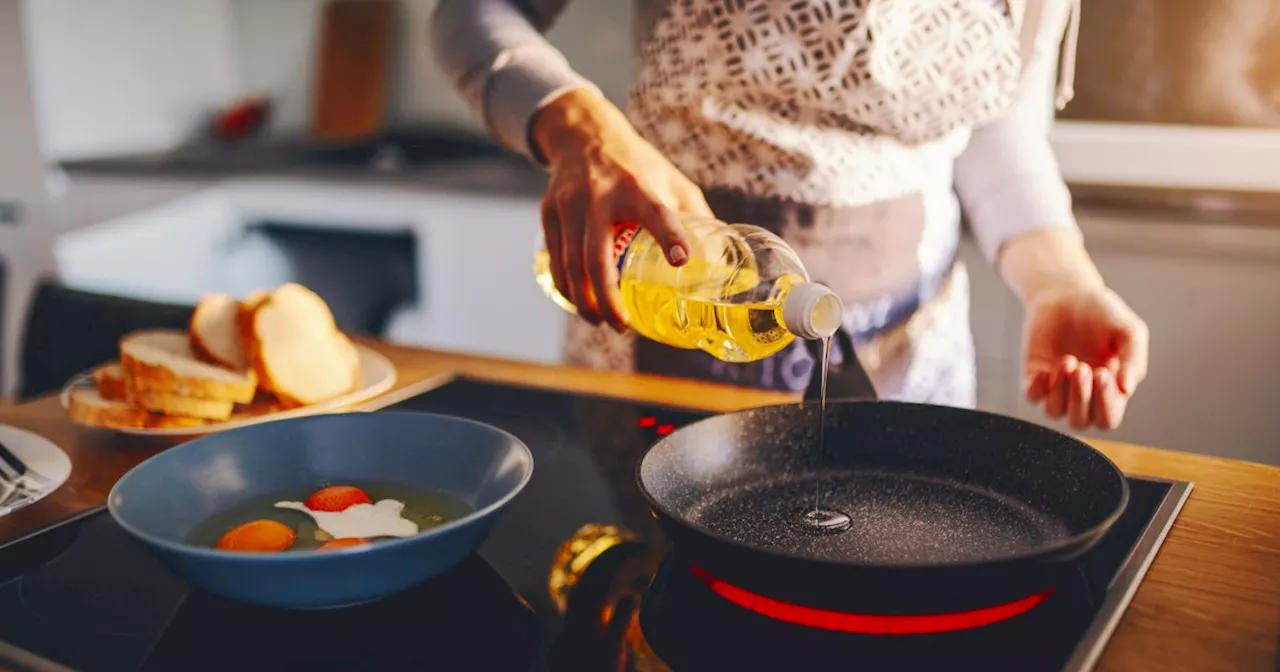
(867, 624)
(664, 430)
(647, 421)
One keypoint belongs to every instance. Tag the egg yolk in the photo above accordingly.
(350, 542)
(257, 536)
(337, 498)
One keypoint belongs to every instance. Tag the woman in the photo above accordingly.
(859, 132)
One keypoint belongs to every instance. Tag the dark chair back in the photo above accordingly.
(70, 330)
(363, 276)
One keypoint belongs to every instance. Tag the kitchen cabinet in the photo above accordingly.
(474, 253)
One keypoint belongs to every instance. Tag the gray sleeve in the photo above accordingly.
(1007, 178)
(496, 56)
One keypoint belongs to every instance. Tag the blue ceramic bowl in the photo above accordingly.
(163, 498)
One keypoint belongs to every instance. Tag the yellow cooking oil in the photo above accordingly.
(732, 331)
(728, 299)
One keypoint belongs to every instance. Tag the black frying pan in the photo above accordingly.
(920, 509)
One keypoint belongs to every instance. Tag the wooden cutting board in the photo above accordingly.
(353, 69)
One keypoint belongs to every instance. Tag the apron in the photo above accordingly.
(773, 107)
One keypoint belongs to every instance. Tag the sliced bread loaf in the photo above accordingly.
(213, 332)
(296, 348)
(244, 332)
(161, 362)
(162, 421)
(190, 407)
(110, 381)
(87, 407)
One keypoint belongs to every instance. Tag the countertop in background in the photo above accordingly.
(426, 157)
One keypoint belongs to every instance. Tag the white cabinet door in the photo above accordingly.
(474, 254)
(477, 283)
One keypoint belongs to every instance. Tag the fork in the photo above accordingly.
(17, 480)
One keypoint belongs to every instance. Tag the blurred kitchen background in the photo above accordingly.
(156, 150)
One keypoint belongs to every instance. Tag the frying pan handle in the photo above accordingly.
(846, 380)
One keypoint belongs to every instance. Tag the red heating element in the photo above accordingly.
(867, 624)
(648, 422)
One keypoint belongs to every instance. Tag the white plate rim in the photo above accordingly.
(370, 361)
(57, 477)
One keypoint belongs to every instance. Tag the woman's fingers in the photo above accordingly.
(1132, 344)
(1055, 406)
(1108, 401)
(573, 225)
(554, 245)
(1038, 387)
(1084, 395)
(1080, 396)
(602, 270)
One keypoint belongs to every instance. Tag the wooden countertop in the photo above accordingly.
(1211, 600)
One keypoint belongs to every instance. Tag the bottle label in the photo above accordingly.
(624, 233)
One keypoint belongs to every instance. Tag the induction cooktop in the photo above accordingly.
(85, 596)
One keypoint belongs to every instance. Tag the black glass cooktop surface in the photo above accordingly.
(85, 596)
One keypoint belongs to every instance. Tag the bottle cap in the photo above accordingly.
(812, 311)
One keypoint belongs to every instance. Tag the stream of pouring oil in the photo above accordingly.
(822, 418)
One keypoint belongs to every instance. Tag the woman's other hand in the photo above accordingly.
(1086, 355)
(1086, 349)
(603, 174)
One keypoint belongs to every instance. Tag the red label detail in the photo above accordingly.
(623, 234)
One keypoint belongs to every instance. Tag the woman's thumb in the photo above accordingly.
(1131, 348)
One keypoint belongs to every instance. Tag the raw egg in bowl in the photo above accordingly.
(323, 511)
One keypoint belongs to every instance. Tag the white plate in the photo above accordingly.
(42, 457)
(377, 375)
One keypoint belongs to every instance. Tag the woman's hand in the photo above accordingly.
(603, 174)
(1086, 355)
(1086, 349)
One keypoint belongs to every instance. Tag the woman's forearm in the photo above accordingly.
(1046, 262)
(494, 52)
(1007, 179)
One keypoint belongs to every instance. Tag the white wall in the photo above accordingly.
(25, 246)
(126, 75)
(130, 76)
(275, 42)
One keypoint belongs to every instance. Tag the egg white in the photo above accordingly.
(360, 521)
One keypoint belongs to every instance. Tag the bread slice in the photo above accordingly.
(213, 332)
(110, 381)
(265, 404)
(88, 407)
(162, 421)
(191, 407)
(244, 331)
(297, 350)
(161, 362)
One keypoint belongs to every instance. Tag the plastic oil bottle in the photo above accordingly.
(742, 295)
